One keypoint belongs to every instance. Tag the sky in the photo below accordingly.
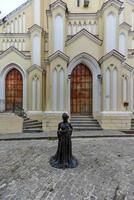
(7, 6)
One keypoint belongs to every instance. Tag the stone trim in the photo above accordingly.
(58, 3)
(13, 49)
(33, 67)
(87, 34)
(58, 54)
(34, 28)
(112, 53)
(125, 25)
(128, 67)
(131, 2)
(116, 3)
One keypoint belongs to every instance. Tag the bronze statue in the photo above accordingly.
(63, 157)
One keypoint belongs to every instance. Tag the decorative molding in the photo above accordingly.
(56, 4)
(33, 67)
(112, 53)
(87, 34)
(58, 54)
(131, 2)
(14, 35)
(13, 49)
(79, 16)
(116, 3)
(125, 25)
(127, 67)
(116, 113)
(15, 12)
(35, 27)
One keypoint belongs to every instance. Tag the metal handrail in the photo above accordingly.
(16, 108)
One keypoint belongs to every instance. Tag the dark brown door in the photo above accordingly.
(81, 90)
(14, 90)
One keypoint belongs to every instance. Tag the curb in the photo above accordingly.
(73, 137)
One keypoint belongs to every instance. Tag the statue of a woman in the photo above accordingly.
(63, 157)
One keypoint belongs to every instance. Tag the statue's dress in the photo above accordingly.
(63, 157)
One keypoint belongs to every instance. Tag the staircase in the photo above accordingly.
(32, 126)
(132, 124)
(84, 123)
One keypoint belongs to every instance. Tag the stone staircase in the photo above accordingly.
(132, 124)
(84, 123)
(32, 126)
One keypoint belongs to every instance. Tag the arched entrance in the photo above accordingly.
(13, 90)
(81, 90)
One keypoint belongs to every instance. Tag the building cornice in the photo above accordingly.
(125, 26)
(114, 53)
(35, 27)
(74, 16)
(13, 49)
(58, 54)
(87, 34)
(128, 67)
(14, 12)
(14, 35)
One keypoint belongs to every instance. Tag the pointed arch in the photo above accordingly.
(3, 74)
(93, 66)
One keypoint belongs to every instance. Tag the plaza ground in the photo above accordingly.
(105, 171)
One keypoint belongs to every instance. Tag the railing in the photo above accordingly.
(13, 107)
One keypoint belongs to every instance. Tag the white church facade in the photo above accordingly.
(69, 56)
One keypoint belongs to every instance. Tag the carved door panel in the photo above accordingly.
(81, 90)
(14, 90)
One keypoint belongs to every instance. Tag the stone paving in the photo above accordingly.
(105, 171)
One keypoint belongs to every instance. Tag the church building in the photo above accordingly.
(74, 56)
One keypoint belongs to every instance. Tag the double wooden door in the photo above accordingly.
(81, 90)
(14, 90)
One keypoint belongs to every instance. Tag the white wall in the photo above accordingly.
(36, 50)
(110, 35)
(58, 33)
(107, 90)
(37, 12)
(122, 43)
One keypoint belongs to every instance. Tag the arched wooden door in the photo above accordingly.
(14, 90)
(81, 90)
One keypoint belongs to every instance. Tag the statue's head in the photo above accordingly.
(65, 117)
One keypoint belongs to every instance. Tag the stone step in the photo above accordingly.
(87, 129)
(35, 130)
(79, 117)
(82, 119)
(86, 125)
(84, 122)
(30, 121)
(32, 126)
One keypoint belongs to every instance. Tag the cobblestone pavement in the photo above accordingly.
(105, 171)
